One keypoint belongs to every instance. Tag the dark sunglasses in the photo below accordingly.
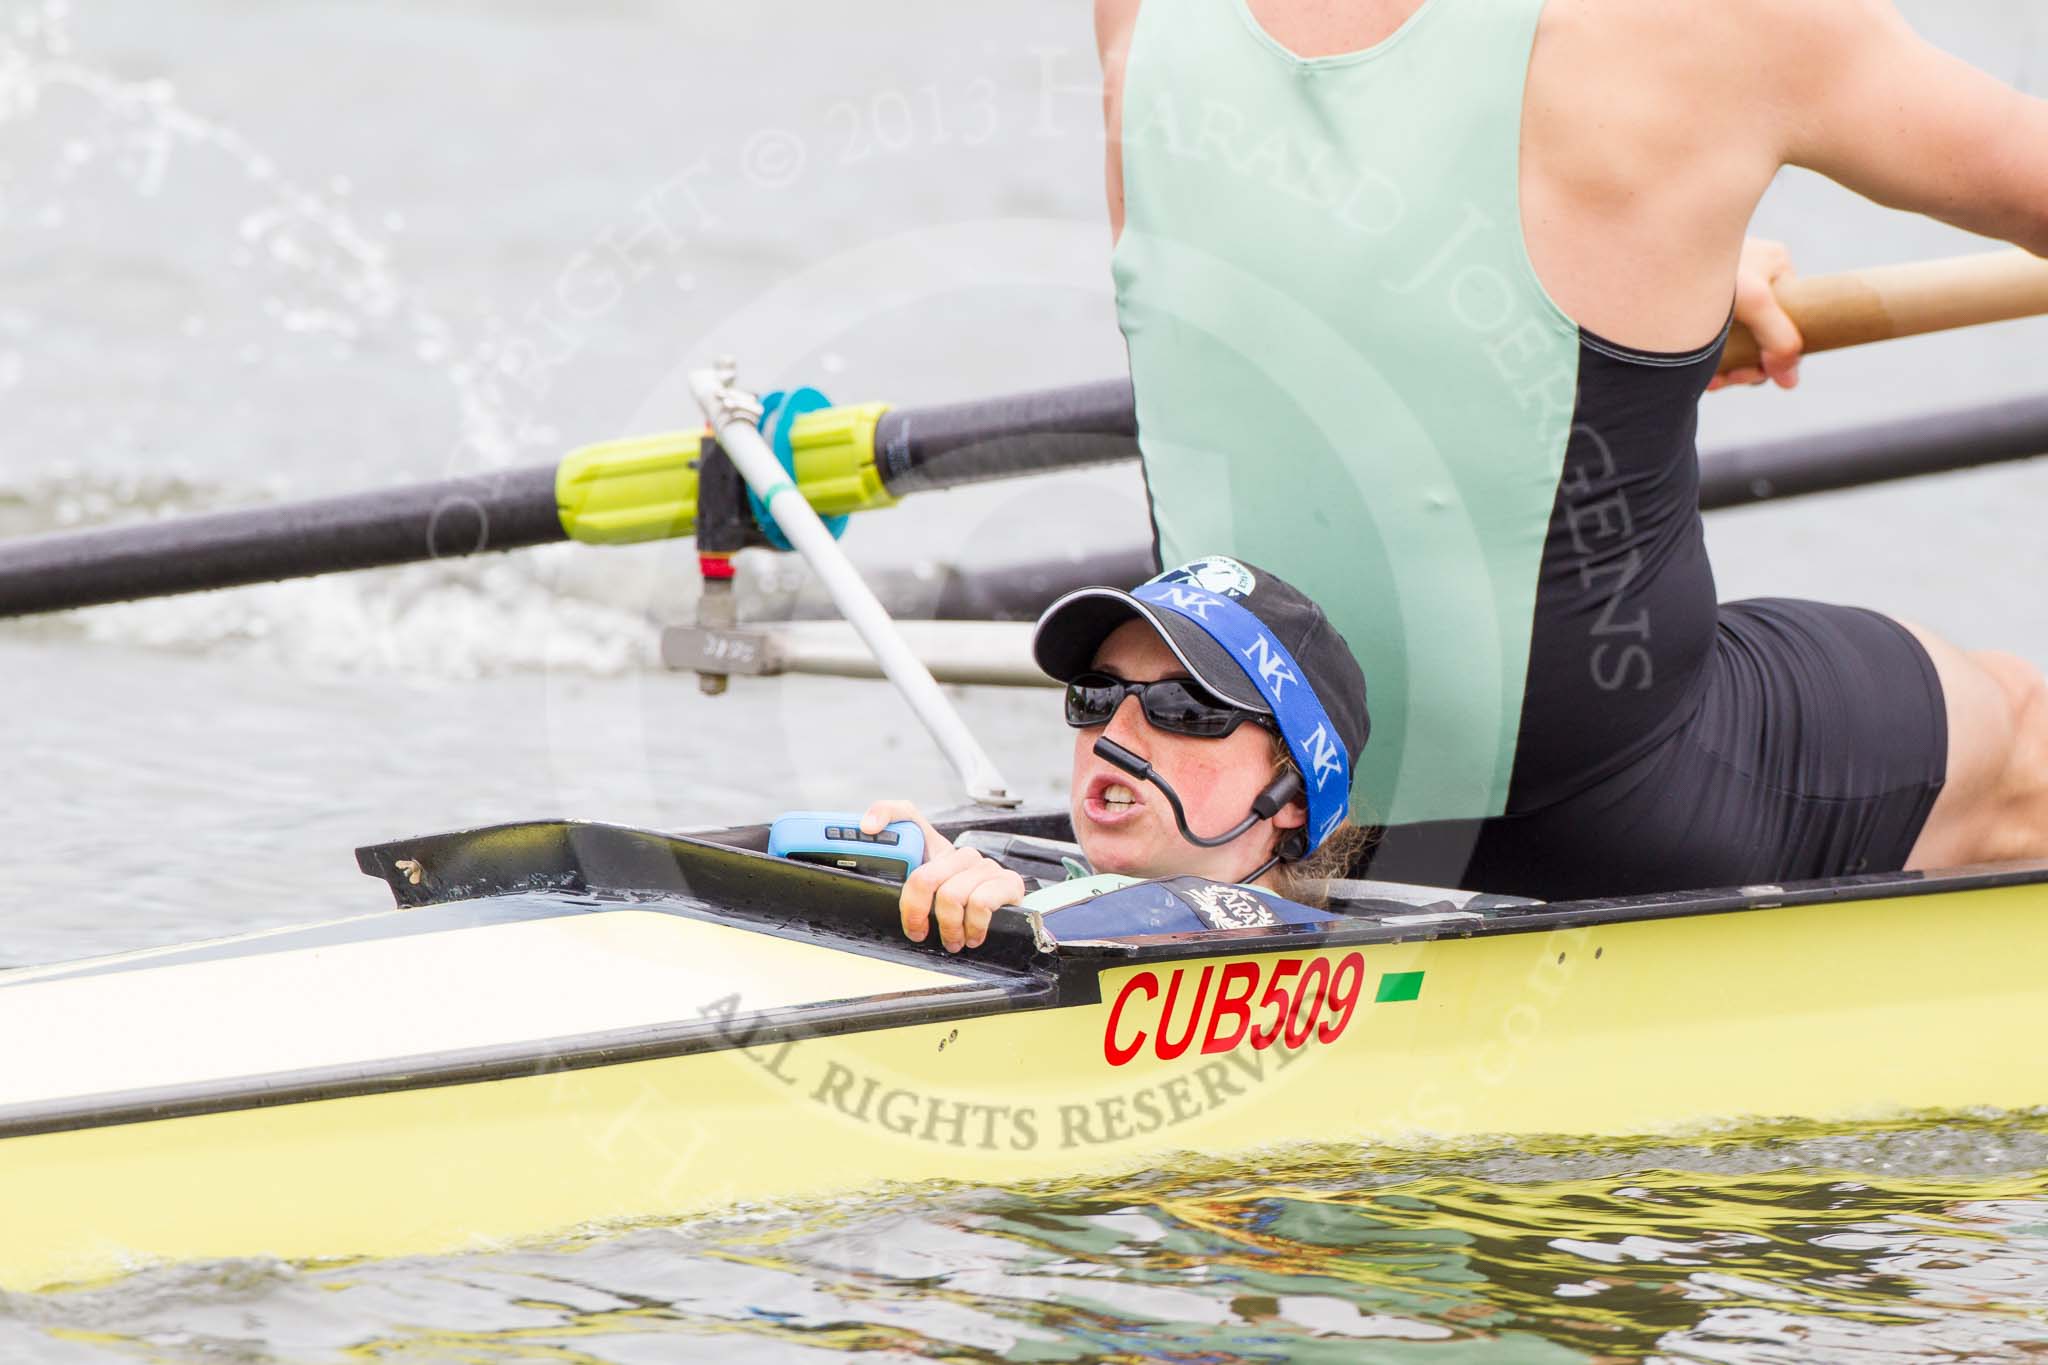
(1178, 706)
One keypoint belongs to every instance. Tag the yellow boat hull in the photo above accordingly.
(1613, 1025)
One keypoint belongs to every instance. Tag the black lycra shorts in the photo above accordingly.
(1817, 746)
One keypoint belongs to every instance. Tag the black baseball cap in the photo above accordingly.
(1073, 629)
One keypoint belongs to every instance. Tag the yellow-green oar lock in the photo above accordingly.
(631, 490)
(834, 451)
(643, 488)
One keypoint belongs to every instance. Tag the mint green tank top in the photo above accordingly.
(1346, 370)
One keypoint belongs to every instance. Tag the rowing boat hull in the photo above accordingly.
(1597, 1022)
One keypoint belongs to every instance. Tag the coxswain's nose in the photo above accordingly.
(1128, 727)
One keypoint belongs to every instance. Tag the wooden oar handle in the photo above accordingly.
(1833, 311)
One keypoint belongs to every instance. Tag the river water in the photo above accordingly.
(255, 253)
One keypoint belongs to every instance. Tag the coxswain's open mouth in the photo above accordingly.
(1110, 798)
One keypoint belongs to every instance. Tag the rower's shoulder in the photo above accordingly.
(1753, 32)
(1741, 64)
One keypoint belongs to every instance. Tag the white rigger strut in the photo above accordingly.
(735, 415)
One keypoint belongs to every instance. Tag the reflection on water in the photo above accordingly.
(1907, 1243)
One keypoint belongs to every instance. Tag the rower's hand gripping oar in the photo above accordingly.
(1878, 304)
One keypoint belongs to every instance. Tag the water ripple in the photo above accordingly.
(1755, 1247)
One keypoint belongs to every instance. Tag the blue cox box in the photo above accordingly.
(834, 839)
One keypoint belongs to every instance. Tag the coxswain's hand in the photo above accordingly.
(958, 889)
(1764, 266)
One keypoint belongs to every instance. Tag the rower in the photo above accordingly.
(1421, 297)
(1218, 716)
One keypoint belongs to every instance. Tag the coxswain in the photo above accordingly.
(1217, 718)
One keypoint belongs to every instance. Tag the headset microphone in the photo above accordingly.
(1267, 804)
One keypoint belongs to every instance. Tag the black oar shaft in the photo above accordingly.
(1092, 424)
(925, 449)
(917, 450)
(1938, 443)
(263, 544)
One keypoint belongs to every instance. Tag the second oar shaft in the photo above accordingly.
(447, 520)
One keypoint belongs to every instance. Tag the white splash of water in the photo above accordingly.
(323, 276)
(342, 271)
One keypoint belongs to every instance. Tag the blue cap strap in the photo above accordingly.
(1311, 738)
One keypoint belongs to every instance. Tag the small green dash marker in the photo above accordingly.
(1396, 987)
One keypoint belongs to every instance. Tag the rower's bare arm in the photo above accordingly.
(1114, 20)
(1878, 109)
